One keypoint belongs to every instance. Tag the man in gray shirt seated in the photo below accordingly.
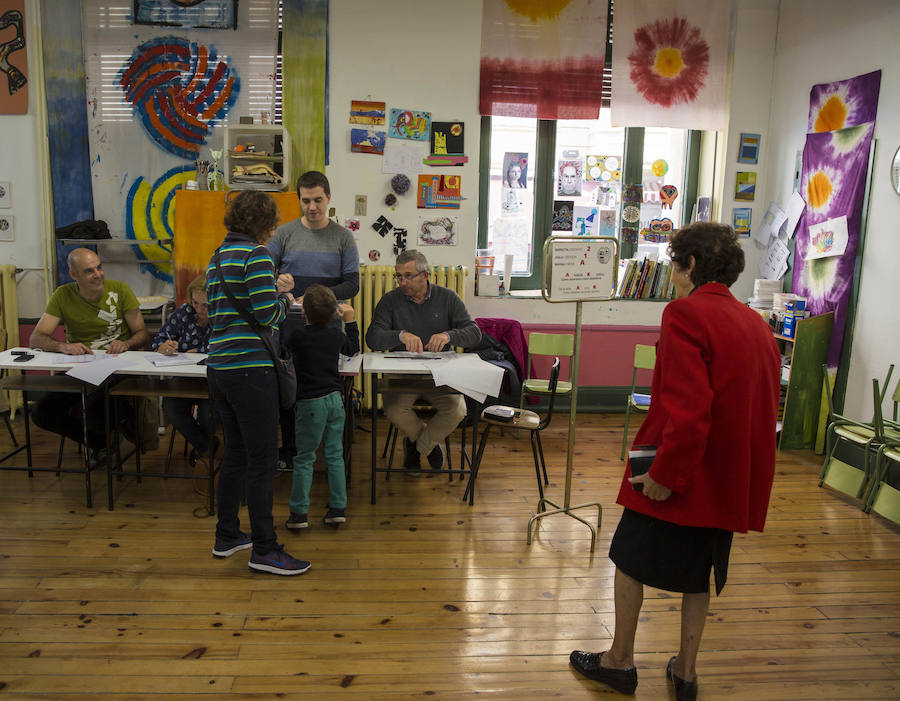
(418, 316)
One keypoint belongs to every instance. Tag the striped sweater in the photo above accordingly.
(250, 274)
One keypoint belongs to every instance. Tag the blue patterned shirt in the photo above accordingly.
(182, 327)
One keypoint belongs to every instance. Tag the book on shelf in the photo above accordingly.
(645, 278)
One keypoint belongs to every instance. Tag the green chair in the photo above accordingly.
(644, 359)
(883, 496)
(550, 344)
(848, 446)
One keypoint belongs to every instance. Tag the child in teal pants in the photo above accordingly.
(316, 343)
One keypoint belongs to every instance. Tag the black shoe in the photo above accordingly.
(436, 457)
(411, 459)
(684, 690)
(296, 521)
(333, 517)
(588, 663)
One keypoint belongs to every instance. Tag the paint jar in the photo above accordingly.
(192, 185)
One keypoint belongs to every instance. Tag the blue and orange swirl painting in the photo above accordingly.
(178, 89)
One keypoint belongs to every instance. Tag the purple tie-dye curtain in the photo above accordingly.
(835, 163)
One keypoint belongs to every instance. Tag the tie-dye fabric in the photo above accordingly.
(845, 103)
(833, 183)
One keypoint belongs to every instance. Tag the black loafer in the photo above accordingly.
(411, 458)
(684, 690)
(588, 663)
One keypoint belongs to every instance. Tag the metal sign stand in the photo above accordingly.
(574, 269)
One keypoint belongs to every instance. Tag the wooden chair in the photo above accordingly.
(849, 444)
(644, 359)
(521, 419)
(883, 497)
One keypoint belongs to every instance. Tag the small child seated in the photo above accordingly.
(319, 412)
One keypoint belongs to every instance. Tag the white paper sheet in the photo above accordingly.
(771, 223)
(795, 208)
(827, 239)
(774, 264)
(63, 359)
(470, 375)
(100, 369)
(164, 361)
(402, 156)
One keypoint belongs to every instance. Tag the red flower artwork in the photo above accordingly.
(670, 61)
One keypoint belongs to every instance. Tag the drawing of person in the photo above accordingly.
(514, 176)
(569, 179)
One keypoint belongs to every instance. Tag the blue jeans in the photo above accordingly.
(246, 404)
(181, 414)
(319, 420)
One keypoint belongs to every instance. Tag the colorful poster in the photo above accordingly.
(409, 124)
(448, 139)
(439, 192)
(741, 220)
(515, 170)
(670, 61)
(602, 168)
(542, 60)
(437, 231)
(568, 178)
(748, 149)
(562, 215)
(745, 186)
(13, 58)
(367, 141)
(366, 112)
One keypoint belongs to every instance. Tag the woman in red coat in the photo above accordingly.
(712, 420)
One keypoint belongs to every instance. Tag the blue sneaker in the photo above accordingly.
(226, 547)
(277, 561)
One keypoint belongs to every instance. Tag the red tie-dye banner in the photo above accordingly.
(670, 63)
(542, 58)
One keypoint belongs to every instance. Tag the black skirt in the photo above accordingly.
(667, 556)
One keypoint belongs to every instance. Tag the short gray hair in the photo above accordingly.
(415, 257)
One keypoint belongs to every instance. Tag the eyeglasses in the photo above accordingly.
(406, 277)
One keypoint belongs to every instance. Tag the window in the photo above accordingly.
(566, 177)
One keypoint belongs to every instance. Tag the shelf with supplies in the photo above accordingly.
(804, 354)
(257, 156)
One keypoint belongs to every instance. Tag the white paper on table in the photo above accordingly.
(403, 156)
(827, 239)
(164, 361)
(774, 264)
(100, 369)
(771, 223)
(470, 375)
(63, 359)
(795, 208)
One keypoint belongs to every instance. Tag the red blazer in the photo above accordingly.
(713, 407)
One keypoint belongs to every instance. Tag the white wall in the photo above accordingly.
(820, 41)
(20, 166)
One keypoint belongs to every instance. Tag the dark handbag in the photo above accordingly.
(281, 356)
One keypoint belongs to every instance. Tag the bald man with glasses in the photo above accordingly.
(418, 317)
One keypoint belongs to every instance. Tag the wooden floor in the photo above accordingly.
(423, 596)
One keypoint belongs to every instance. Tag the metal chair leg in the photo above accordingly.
(59, 452)
(541, 453)
(470, 487)
(625, 432)
(535, 441)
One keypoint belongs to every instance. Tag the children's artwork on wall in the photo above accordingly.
(586, 220)
(367, 112)
(399, 240)
(200, 14)
(13, 58)
(670, 63)
(178, 89)
(607, 223)
(745, 186)
(515, 170)
(512, 201)
(602, 168)
(5, 195)
(409, 124)
(704, 208)
(437, 231)
(7, 228)
(367, 141)
(659, 167)
(374, 255)
(827, 239)
(741, 220)
(439, 192)
(351, 224)
(632, 199)
(448, 139)
(562, 215)
(382, 226)
(667, 195)
(748, 150)
(568, 178)
(659, 231)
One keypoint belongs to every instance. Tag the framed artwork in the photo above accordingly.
(748, 149)
(741, 220)
(7, 228)
(207, 14)
(745, 186)
(5, 198)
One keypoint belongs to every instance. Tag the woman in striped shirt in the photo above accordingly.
(242, 381)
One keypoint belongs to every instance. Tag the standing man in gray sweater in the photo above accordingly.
(418, 316)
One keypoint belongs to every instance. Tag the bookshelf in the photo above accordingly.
(645, 279)
(271, 153)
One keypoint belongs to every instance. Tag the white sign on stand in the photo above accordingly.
(580, 268)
